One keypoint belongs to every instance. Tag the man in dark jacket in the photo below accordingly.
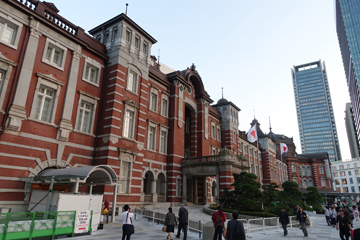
(284, 220)
(235, 229)
(183, 221)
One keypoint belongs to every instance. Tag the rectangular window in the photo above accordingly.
(8, 31)
(219, 134)
(323, 183)
(358, 180)
(137, 42)
(125, 172)
(132, 82)
(213, 130)
(2, 76)
(357, 171)
(234, 136)
(293, 168)
(91, 73)
(342, 173)
(163, 141)
(351, 181)
(213, 151)
(336, 174)
(153, 101)
(106, 37)
(178, 187)
(145, 48)
(128, 36)
(341, 167)
(114, 33)
(355, 165)
(44, 103)
(349, 172)
(321, 169)
(152, 138)
(84, 122)
(54, 55)
(345, 189)
(353, 189)
(344, 181)
(164, 106)
(128, 130)
(337, 182)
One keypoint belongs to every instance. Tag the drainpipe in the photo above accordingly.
(49, 195)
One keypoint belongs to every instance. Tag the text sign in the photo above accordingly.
(82, 221)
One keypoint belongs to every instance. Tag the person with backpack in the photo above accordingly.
(235, 229)
(343, 224)
(218, 219)
(284, 220)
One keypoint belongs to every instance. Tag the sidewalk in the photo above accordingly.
(149, 231)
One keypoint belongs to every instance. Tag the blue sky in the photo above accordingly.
(246, 47)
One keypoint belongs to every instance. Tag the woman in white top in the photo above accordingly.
(128, 228)
(333, 215)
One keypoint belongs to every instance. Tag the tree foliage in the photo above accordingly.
(313, 196)
(270, 192)
(291, 195)
(246, 195)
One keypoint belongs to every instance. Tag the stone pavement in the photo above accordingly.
(149, 231)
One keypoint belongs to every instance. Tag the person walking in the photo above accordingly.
(218, 219)
(128, 227)
(302, 218)
(170, 222)
(327, 215)
(107, 207)
(332, 215)
(235, 229)
(183, 221)
(344, 225)
(356, 213)
(284, 220)
(298, 213)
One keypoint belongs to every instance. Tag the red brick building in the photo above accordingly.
(68, 99)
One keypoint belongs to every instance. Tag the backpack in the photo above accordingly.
(218, 219)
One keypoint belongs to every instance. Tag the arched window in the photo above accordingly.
(305, 183)
(309, 171)
(311, 184)
(303, 170)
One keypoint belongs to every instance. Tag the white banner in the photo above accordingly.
(82, 221)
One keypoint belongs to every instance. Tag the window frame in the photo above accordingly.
(132, 109)
(92, 100)
(50, 62)
(218, 135)
(212, 130)
(50, 82)
(136, 84)
(95, 64)
(166, 109)
(6, 66)
(151, 140)
(163, 143)
(145, 49)
(128, 41)
(127, 179)
(154, 92)
(18, 30)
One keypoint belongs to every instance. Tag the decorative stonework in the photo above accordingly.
(65, 128)
(16, 116)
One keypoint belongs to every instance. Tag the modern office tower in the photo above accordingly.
(314, 110)
(350, 130)
(348, 31)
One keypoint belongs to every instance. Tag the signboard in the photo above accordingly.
(82, 221)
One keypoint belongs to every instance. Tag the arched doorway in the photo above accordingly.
(149, 187)
(161, 188)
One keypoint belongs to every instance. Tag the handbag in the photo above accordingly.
(164, 228)
(105, 211)
(128, 228)
(224, 232)
(307, 221)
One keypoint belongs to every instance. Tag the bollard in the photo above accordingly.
(153, 217)
(200, 229)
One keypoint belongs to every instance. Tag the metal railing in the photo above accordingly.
(28, 225)
(250, 225)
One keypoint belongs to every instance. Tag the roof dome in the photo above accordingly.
(223, 101)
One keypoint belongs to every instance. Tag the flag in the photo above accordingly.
(283, 148)
(252, 134)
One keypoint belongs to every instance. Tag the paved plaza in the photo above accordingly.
(146, 230)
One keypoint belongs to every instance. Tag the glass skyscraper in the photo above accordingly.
(314, 110)
(348, 31)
